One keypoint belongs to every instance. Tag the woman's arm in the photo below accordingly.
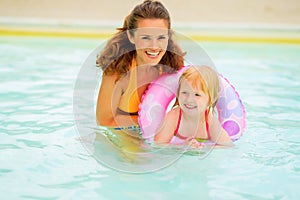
(217, 132)
(108, 101)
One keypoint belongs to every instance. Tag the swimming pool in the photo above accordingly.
(42, 158)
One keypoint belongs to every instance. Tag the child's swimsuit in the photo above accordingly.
(177, 134)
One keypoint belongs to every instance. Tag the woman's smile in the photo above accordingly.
(152, 54)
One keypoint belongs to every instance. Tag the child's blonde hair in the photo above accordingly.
(204, 78)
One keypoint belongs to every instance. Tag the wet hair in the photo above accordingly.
(117, 55)
(203, 78)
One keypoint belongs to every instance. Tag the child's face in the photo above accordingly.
(191, 100)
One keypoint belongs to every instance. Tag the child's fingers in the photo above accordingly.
(194, 143)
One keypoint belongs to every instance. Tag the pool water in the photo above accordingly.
(43, 157)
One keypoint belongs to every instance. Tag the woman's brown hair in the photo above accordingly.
(119, 52)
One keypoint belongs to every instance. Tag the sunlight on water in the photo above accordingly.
(43, 156)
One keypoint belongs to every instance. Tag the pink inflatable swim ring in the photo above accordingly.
(162, 91)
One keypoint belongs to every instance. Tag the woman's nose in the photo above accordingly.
(154, 43)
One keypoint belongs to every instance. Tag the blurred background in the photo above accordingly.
(92, 18)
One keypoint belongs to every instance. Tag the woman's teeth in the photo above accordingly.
(152, 54)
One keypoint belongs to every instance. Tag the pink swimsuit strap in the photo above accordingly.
(177, 134)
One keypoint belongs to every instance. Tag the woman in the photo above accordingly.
(141, 51)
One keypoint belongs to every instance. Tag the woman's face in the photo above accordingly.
(192, 101)
(151, 40)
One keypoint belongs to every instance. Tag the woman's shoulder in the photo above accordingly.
(114, 77)
(110, 79)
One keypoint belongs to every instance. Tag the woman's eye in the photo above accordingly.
(145, 38)
(162, 37)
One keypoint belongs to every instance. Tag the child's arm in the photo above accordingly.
(166, 130)
(218, 134)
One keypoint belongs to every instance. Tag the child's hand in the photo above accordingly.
(194, 143)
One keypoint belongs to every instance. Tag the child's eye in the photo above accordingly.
(197, 95)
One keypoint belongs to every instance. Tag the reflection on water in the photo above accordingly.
(124, 150)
